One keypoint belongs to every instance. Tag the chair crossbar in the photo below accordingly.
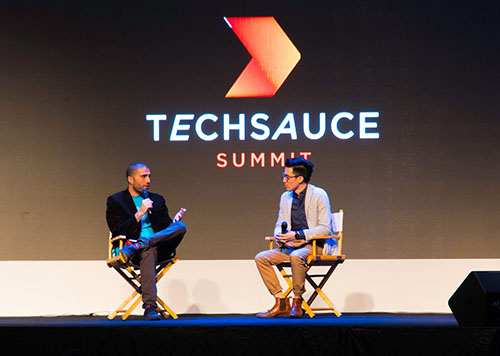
(131, 278)
(322, 260)
(316, 275)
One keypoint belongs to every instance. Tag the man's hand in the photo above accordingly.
(284, 238)
(145, 206)
(178, 216)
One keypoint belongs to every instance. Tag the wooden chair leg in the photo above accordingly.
(166, 309)
(319, 291)
(322, 283)
(122, 306)
(307, 309)
(133, 279)
(288, 280)
(306, 305)
(329, 302)
(132, 307)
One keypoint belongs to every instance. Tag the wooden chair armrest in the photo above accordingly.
(111, 242)
(118, 238)
(323, 237)
(114, 262)
(314, 238)
(271, 240)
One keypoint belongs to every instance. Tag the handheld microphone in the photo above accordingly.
(145, 195)
(284, 225)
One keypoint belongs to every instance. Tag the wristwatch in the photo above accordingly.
(299, 235)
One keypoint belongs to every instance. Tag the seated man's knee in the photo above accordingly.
(181, 227)
(261, 257)
(297, 257)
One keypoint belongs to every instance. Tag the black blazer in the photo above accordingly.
(120, 210)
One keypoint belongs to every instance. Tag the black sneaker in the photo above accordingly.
(150, 313)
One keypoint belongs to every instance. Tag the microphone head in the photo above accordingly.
(284, 225)
(145, 194)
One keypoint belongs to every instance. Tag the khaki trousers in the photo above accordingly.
(265, 261)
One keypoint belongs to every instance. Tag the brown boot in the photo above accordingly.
(280, 308)
(296, 311)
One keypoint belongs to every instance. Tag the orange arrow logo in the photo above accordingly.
(273, 56)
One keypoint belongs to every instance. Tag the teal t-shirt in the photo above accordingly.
(146, 228)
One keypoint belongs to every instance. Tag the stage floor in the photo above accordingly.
(190, 320)
(351, 334)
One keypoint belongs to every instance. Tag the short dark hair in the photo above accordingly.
(301, 167)
(133, 167)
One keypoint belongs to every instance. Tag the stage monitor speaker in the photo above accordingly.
(476, 302)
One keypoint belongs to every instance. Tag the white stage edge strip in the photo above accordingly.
(50, 288)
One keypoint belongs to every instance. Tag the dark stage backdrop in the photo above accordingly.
(78, 79)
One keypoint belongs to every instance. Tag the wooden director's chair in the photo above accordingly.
(331, 257)
(131, 273)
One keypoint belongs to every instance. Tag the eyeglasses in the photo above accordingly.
(286, 177)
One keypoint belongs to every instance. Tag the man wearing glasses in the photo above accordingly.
(305, 209)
